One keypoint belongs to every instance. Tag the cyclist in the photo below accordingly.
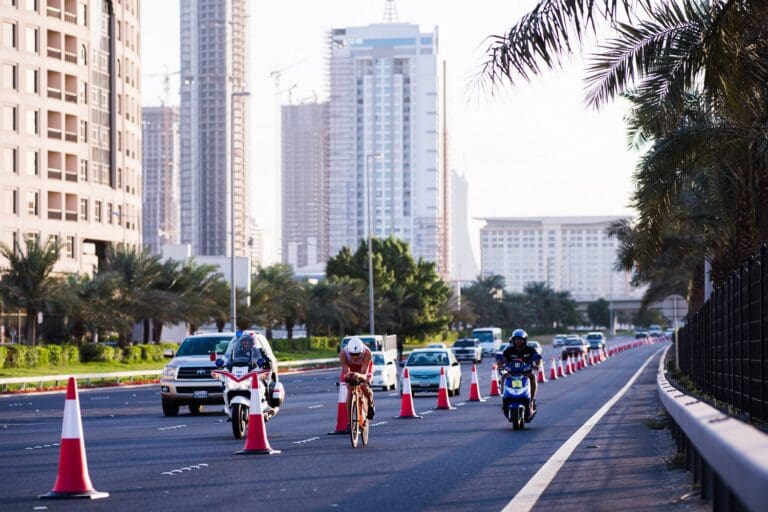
(355, 360)
(518, 349)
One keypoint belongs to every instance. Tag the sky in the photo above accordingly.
(534, 149)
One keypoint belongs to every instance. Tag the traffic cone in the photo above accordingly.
(553, 370)
(442, 392)
(342, 416)
(474, 388)
(494, 381)
(406, 404)
(542, 377)
(560, 370)
(256, 442)
(72, 480)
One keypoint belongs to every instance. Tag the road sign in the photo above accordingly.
(674, 308)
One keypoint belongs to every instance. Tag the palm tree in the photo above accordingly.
(28, 282)
(337, 305)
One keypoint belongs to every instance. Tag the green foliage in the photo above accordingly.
(3, 356)
(132, 354)
(154, 352)
(70, 355)
(39, 356)
(599, 312)
(305, 344)
(98, 352)
(18, 357)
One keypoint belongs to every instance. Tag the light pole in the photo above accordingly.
(368, 158)
(233, 296)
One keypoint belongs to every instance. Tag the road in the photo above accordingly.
(468, 458)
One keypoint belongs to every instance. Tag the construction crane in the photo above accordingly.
(166, 83)
(276, 74)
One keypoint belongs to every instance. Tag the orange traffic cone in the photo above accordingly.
(256, 442)
(474, 388)
(553, 370)
(342, 416)
(541, 377)
(560, 370)
(73, 480)
(494, 381)
(406, 404)
(442, 392)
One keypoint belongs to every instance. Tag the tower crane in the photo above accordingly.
(166, 75)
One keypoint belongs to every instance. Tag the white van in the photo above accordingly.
(490, 338)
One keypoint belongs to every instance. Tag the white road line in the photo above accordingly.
(427, 412)
(304, 441)
(527, 497)
(315, 406)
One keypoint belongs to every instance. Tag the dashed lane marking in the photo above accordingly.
(305, 441)
(172, 472)
(172, 427)
(315, 406)
(41, 446)
(378, 424)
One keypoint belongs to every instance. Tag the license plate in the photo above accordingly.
(423, 384)
(199, 394)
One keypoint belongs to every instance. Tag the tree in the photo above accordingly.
(599, 313)
(29, 282)
(277, 298)
(337, 305)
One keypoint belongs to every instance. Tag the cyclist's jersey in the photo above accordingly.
(356, 367)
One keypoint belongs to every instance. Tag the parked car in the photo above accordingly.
(575, 346)
(535, 345)
(468, 348)
(596, 340)
(384, 371)
(559, 340)
(424, 366)
(186, 379)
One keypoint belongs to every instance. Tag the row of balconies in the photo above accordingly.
(66, 10)
(64, 45)
(65, 126)
(65, 86)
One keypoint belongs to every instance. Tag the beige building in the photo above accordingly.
(70, 126)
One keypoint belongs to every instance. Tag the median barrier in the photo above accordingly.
(727, 457)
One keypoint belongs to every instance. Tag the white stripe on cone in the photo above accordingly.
(72, 427)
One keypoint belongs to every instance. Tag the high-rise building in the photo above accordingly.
(304, 178)
(387, 150)
(214, 125)
(463, 263)
(572, 254)
(70, 126)
(160, 176)
(256, 245)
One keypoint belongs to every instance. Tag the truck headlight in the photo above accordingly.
(169, 371)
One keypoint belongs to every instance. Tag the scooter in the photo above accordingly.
(237, 394)
(516, 394)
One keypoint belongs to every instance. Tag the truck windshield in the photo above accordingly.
(203, 346)
(483, 336)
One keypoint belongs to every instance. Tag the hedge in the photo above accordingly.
(23, 356)
(305, 344)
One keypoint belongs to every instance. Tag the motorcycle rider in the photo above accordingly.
(355, 360)
(246, 351)
(518, 349)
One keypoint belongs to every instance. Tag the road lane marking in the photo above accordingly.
(305, 441)
(427, 412)
(315, 406)
(171, 427)
(527, 497)
(187, 468)
(40, 447)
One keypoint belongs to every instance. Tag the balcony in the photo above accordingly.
(54, 52)
(71, 176)
(54, 214)
(70, 136)
(53, 174)
(54, 133)
(71, 97)
(54, 12)
(70, 216)
(54, 93)
(70, 57)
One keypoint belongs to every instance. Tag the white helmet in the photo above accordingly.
(355, 346)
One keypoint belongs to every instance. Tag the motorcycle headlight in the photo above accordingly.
(169, 371)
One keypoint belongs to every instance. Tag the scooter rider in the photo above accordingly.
(355, 360)
(518, 349)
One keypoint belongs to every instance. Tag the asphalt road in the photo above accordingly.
(468, 458)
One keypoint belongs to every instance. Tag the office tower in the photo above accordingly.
(214, 125)
(160, 176)
(255, 245)
(387, 150)
(70, 121)
(304, 184)
(463, 263)
(573, 254)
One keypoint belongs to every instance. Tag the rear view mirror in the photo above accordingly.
(168, 353)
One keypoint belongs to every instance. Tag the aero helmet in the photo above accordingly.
(355, 346)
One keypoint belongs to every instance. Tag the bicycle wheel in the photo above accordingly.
(354, 423)
(366, 423)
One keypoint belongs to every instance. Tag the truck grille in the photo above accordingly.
(197, 372)
(192, 389)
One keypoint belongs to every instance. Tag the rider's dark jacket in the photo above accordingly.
(527, 354)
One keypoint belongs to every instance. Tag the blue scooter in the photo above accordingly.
(516, 393)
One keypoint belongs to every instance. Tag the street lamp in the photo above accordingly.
(233, 296)
(368, 158)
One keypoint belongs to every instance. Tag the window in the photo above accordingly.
(69, 246)
(9, 77)
(83, 131)
(82, 14)
(9, 34)
(54, 239)
(83, 91)
(9, 203)
(31, 5)
(83, 55)
(8, 160)
(33, 163)
(32, 80)
(83, 209)
(97, 211)
(110, 213)
(119, 178)
(32, 122)
(9, 118)
(30, 39)
(83, 170)
(32, 203)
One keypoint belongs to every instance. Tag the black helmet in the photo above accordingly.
(518, 333)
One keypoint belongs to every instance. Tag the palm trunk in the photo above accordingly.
(31, 327)
(146, 331)
(696, 292)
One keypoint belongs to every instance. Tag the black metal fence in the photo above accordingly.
(724, 346)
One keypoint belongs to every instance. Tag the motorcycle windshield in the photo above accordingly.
(242, 355)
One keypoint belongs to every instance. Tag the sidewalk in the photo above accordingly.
(625, 463)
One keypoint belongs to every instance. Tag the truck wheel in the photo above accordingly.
(195, 409)
(170, 408)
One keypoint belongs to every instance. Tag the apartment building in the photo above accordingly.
(214, 125)
(387, 171)
(70, 126)
(160, 173)
(304, 179)
(572, 254)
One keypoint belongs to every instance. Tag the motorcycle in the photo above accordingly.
(237, 392)
(516, 393)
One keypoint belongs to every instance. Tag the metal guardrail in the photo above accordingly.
(727, 457)
(117, 376)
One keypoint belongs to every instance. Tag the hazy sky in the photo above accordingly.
(531, 150)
